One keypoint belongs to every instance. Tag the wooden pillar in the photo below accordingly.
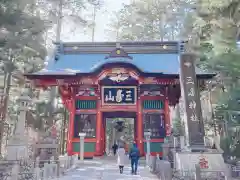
(71, 128)
(167, 114)
(102, 140)
(139, 129)
(103, 135)
(99, 137)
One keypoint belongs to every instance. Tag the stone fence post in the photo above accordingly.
(163, 170)
(175, 142)
(46, 171)
(238, 168)
(54, 167)
(37, 170)
(153, 163)
(74, 159)
(182, 142)
(166, 149)
(197, 172)
(15, 172)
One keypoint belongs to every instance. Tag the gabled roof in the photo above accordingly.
(148, 58)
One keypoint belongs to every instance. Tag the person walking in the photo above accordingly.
(134, 156)
(114, 147)
(121, 158)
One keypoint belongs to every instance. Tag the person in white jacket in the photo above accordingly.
(121, 156)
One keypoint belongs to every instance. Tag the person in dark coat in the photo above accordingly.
(134, 155)
(115, 147)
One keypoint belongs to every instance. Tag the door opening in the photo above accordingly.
(119, 128)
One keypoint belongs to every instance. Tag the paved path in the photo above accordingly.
(93, 170)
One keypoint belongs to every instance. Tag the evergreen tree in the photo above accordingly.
(218, 30)
(211, 28)
(149, 20)
(21, 48)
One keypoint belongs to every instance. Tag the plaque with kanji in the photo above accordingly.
(119, 95)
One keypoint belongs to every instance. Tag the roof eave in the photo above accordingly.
(206, 76)
(115, 42)
(50, 76)
(145, 74)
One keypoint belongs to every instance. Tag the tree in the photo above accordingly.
(149, 20)
(178, 127)
(79, 15)
(211, 28)
(218, 31)
(21, 44)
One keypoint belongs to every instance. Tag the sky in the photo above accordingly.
(103, 18)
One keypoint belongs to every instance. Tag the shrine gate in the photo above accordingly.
(130, 79)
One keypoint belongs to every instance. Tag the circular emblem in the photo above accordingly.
(118, 52)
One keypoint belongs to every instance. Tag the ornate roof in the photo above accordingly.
(149, 58)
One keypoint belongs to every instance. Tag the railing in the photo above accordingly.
(179, 141)
(199, 175)
(234, 171)
(37, 170)
(164, 171)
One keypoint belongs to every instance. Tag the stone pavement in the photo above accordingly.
(95, 170)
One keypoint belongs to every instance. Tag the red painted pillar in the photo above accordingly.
(99, 137)
(167, 116)
(140, 127)
(103, 139)
(71, 128)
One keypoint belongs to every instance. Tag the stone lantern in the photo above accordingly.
(24, 101)
(18, 146)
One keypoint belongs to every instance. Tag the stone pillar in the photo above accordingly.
(175, 142)
(182, 142)
(166, 149)
(194, 128)
(18, 146)
(197, 172)
(148, 138)
(107, 150)
(82, 137)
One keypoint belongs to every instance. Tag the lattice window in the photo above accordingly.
(85, 123)
(86, 104)
(154, 123)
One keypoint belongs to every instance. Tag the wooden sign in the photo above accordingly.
(119, 95)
